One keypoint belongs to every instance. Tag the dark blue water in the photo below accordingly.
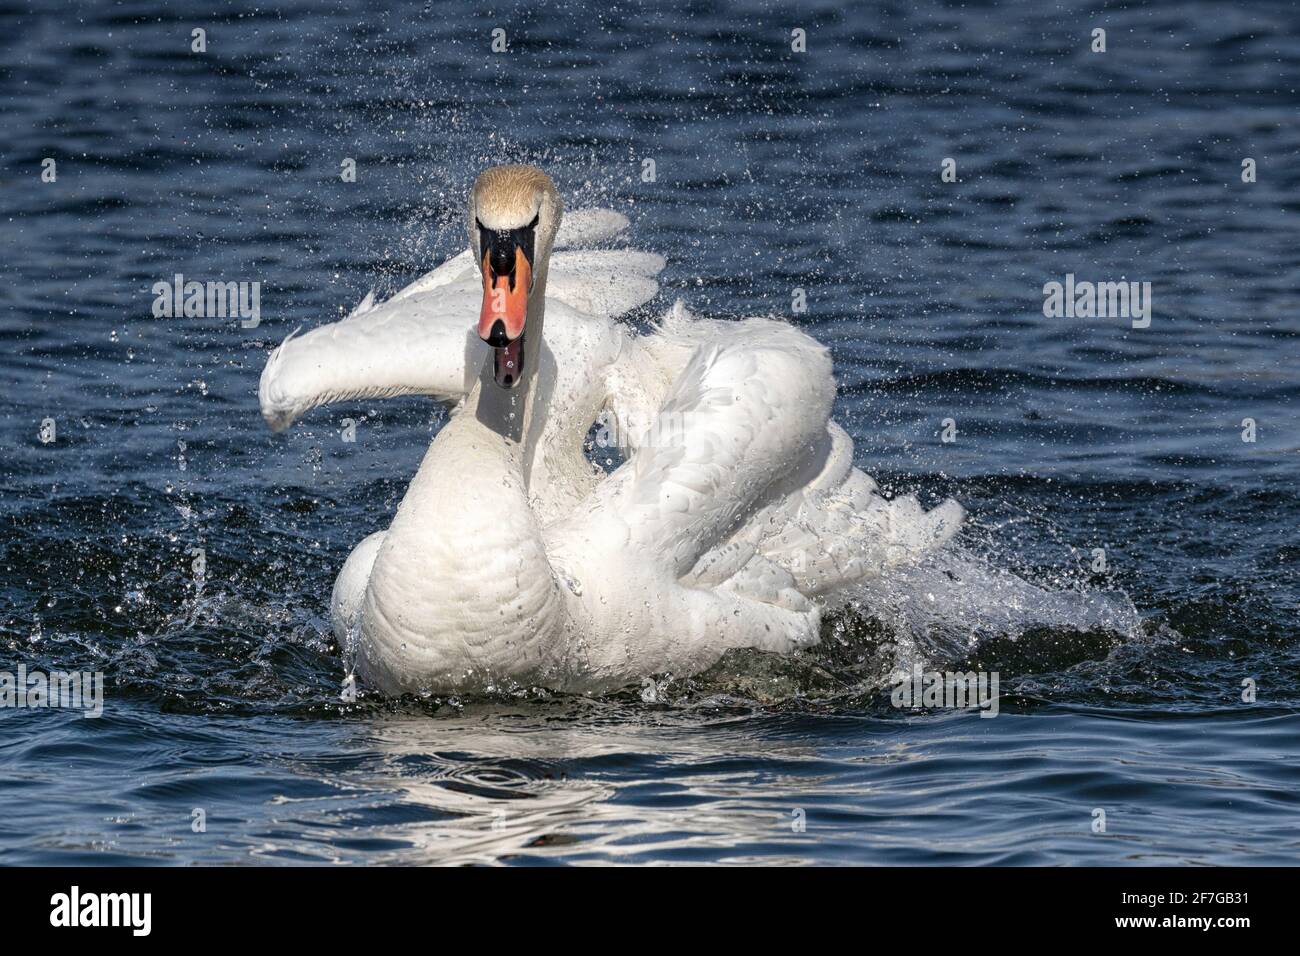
(1121, 689)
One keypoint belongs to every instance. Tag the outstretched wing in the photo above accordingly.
(422, 341)
(418, 345)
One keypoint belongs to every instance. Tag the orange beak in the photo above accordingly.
(505, 301)
(505, 310)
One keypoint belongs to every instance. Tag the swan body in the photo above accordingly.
(512, 560)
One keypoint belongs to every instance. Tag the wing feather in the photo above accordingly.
(744, 414)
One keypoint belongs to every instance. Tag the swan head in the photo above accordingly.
(514, 213)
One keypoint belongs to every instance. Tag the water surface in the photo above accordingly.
(775, 171)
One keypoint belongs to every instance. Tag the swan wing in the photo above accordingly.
(820, 518)
(422, 344)
(604, 282)
(837, 528)
(746, 413)
(422, 341)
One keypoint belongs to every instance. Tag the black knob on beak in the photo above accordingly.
(502, 256)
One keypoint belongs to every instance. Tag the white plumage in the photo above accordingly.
(512, 560)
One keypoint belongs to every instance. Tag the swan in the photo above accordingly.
(736, 516)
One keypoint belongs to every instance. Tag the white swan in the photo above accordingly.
(512, 560)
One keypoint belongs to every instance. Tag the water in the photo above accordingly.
(1121, 689)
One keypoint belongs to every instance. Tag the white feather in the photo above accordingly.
(737, 516)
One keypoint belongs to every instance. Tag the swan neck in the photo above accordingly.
(513, 412)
